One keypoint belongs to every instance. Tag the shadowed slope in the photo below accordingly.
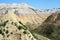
(51, 27)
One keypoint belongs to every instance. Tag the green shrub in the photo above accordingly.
(19, 27)
(48, 30)
(3, 23)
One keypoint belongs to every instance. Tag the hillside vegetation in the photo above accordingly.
(50, 27)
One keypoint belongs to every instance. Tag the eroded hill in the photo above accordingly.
(11, 28)
(51, 27)
(23, 22)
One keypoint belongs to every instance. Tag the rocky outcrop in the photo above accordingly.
(11, 28)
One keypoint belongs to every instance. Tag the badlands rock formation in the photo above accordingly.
(16, 20)
(11, 28)
(28, 15)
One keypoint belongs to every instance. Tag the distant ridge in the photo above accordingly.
(24, 8)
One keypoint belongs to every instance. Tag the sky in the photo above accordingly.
(39, 4)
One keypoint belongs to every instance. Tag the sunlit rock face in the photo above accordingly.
(24, 9)
(28, 15)
(16, 20)
(19, 8)
(11, 28)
